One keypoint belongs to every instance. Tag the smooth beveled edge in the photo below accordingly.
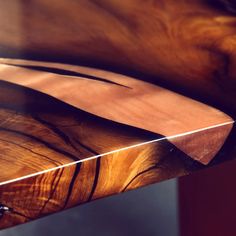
(114, 151)
(95, 72)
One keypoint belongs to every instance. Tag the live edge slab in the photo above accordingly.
(70, 134)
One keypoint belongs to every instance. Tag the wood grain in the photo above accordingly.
(186, 45)
(128, 101)
(71, 134)
(55, 156)
(50, 158)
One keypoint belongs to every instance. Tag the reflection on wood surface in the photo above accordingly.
(54, 155)
(50, 156)
(128, 101)
(71, 134)
(187, 45)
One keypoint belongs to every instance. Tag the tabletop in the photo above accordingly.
(98, 98)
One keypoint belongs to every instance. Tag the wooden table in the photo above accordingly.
(98, 98)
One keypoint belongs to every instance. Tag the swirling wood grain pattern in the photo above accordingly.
(54, 156)
(50, 156)
(186, 45)
(127, 100)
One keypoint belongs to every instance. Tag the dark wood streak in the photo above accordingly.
(72, 182)
(21, 146)
(63, 136)
(71, 73)
(86, 147)
(54, 187)
(96, 176)
(21, 214)
(75, 158)
(156, 166)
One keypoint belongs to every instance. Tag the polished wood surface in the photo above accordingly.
(185, 45)
(72, 131)
(128, 101)
(54, 156)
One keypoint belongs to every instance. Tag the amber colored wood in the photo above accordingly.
(44, 156)
(61, 146)
(186, 45)
(55, 156)
(128, 101)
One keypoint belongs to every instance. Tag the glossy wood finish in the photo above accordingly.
(128, 101)
(54, 156)
(50, 158)
(185, 45)
(71, 134)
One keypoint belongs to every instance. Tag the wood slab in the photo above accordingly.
(70, 134)
(54, 156)
(69, 139)
(187, 45)
(129, 101)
